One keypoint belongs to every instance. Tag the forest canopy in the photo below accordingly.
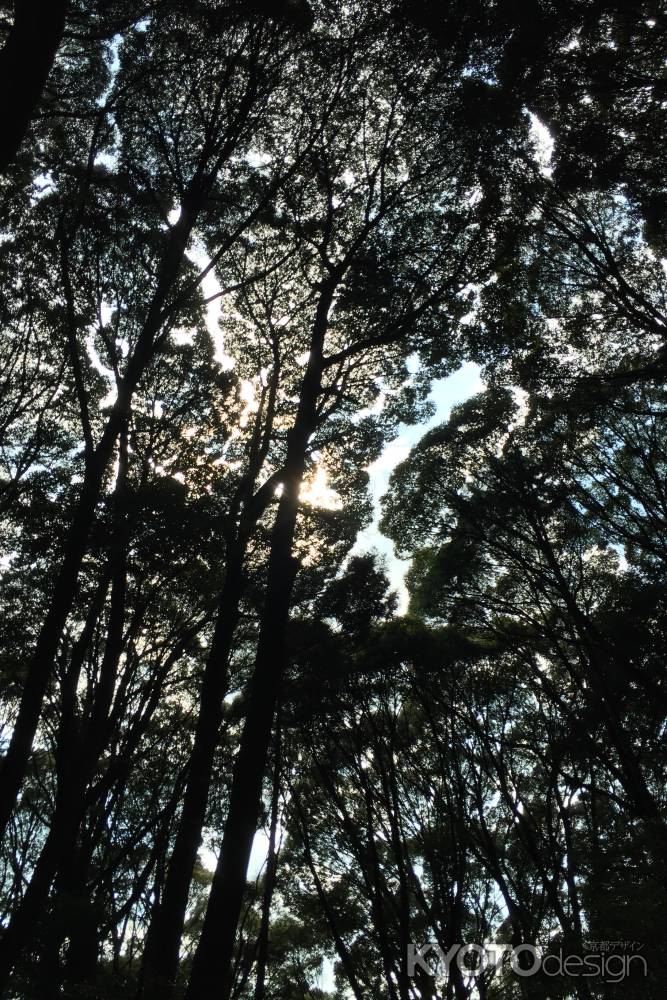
(240, 243)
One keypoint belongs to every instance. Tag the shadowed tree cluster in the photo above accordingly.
(239, 244)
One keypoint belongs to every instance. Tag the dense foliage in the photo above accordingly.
(239, 244)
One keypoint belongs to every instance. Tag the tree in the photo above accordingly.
(242, 243)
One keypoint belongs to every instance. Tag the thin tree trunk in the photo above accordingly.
(270, 879)
(341, 948)
(162, 951)
(20, 929)
(69, 811)
(76, 757)
(211, 971)
(72, 917)
(65, 586)
(161, 955)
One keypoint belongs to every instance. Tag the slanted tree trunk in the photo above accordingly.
(65, 586)
(73, 916)
(77, 757)
(161, 954)
(342, 950)
(63, 830)
(25, 63)
(211, 972)
(213, 960)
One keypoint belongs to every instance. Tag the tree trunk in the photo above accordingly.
(342, 950)
(161, 955)
(211, 971)
(270, 878)
(213, 960)
(25, 63)
(76, 757)
(20, 929)
(65, 586)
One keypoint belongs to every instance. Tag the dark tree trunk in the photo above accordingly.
(76, 757)
(16, 760)
(161, 955)
(270, 879)
(22, 925)
(25, 63)
(213, 960)
(81, 963)
(73, 917)
(65, 586)
(342, 950)
(211, 971)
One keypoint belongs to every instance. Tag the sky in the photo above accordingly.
(445, 394)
